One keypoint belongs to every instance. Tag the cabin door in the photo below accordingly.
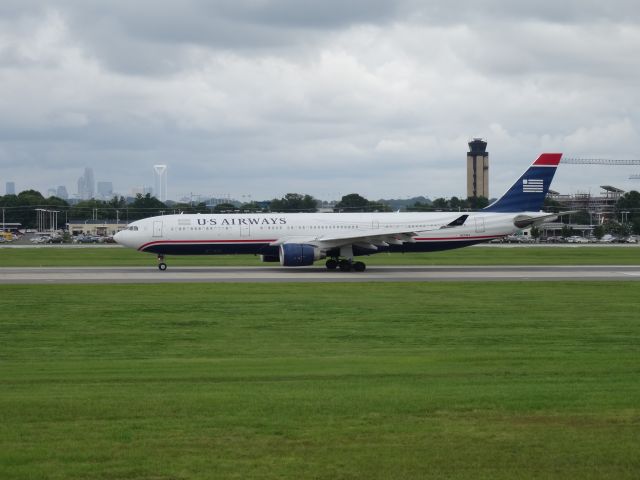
(157, 228)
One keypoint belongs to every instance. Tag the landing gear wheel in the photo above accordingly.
(359, 267)
(344, 265)
(162, 266)
(331, 264)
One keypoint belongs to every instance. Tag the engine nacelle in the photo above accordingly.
(298, 255)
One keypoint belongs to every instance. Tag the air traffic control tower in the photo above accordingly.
(478, 169)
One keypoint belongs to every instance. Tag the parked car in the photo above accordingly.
(40, 239)
(555, 240)
(577, 239)
(83, 239)
(608, 238)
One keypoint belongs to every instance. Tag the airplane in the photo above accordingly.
(301, 239)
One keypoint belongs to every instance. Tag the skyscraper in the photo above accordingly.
(86, 185)
(160, 175)
(478, 169)
(10, 188)
(61, 192)
(89, 183)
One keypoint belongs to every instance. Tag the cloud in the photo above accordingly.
(266, 97)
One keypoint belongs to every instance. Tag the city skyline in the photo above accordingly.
(197, 197)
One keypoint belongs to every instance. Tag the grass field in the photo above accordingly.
(325, 381)
(580, 255)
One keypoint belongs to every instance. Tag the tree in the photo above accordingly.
(630, 203)
(294, 202)
(618, 229)
(357, 203)
(456, 204)
(92, 209)
(440, 204)
(535, 232)
(145, 206)
(420, 207)
(567, 231)
(118, 202)
(225, 208)
(21, 208)
(477, 203)
(353, 203)
(251, 207)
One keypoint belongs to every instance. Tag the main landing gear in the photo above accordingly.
(161, 265)
(345, 265)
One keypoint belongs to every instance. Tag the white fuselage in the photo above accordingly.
(260, 233)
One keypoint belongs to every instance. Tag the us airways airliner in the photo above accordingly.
(300, 239)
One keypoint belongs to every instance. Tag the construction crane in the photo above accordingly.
(599, 161)
(603, 161)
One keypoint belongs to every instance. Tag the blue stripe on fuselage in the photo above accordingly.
(168, 248)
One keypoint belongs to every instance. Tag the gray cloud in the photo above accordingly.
(265, 97)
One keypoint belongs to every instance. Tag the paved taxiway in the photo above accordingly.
(54, 275)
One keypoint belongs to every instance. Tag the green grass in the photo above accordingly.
(580, 255)
(325, 381)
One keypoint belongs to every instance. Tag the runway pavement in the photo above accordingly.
(54, 275)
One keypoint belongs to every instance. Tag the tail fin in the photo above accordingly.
(528, 193)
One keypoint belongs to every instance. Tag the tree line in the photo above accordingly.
(21, 208)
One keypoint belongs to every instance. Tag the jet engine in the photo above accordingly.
(299, 255)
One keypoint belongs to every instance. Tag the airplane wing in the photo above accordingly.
(372, 239)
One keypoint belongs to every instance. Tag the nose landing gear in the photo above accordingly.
(161, 265)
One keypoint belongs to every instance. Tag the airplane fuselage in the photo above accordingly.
(188, 234)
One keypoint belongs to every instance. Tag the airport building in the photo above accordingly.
(100, 228)
(600, 208)
(477, 169)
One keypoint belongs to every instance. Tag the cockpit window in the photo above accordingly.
(133, 228)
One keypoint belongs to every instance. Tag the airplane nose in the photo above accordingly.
(118, 237)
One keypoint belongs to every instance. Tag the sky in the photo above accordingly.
(257, 98)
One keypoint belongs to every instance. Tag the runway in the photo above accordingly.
(58, 275)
